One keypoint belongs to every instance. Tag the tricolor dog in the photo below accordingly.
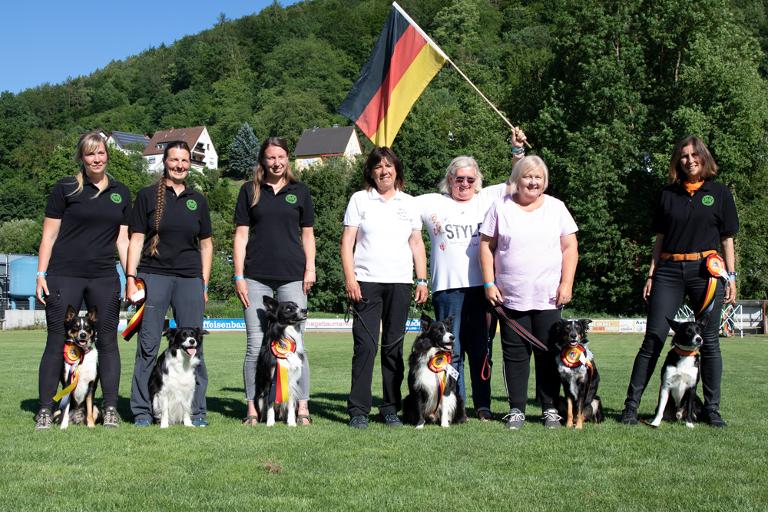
(432, 381)
(172, 383)
(81, 372)
(281, 359)
(578, 373)
(680, 374)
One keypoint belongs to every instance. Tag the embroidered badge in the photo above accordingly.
(116, 198)
(192, 205)
(291, 199)
(707, 200)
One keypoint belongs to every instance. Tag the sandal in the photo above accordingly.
(304, 419)
(251, 420)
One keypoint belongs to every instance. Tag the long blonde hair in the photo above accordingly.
(88, 142)
(160, 196)
(260, 169)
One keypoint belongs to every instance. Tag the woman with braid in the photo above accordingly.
(171, 250)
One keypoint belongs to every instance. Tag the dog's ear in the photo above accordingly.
(270, 304)
(584, 322)
(426, 321)
(92, 314)
(168, 332)
(203, 332)
(448, 322)
(71, 313)
(673, 324)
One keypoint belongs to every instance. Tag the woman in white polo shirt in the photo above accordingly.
(380, 246)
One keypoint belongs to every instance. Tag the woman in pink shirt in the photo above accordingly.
(528, 256)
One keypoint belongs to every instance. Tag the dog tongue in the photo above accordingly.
(191, 351)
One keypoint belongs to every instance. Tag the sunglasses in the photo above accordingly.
(462, 179)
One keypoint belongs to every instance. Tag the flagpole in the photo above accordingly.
(449, 61)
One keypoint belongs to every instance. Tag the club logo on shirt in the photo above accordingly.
(707, 200)
(192, 205)
(291, 199)
(116, 198)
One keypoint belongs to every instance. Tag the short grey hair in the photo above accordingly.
(458, 163)
(521, 167)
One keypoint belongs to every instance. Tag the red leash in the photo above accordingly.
(520, 330)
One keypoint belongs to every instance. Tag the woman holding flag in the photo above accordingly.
(694, 216)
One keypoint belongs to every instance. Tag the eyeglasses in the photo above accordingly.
(462, 179)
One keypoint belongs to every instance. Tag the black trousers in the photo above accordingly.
(517, 358)
(385, 305)
(104, 294)
(671, 284)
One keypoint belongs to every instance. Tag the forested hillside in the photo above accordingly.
(603, 90)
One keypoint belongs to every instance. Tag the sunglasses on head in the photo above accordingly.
(462, 179)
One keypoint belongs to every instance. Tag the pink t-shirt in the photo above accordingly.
(528, 259)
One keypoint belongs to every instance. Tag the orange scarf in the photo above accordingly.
(691, 188)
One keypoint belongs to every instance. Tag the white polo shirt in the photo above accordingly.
(382, 253)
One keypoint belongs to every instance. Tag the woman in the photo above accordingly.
(171, 250)
(528, 255)
(694, 217)
(452, 219)
(86, 218)
(380, 246)
(274, 254)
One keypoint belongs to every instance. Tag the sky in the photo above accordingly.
(51, 40)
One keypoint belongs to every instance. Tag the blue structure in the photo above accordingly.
(23, 280)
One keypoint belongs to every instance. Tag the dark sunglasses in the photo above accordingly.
(462, 179)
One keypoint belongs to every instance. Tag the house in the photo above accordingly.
(203, 152)
(126, 142)
(318, 144)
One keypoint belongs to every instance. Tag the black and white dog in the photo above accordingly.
(172, 383)
(432, 381)
(280, 361)
(680, 374)
(578, 373)
(81, 371)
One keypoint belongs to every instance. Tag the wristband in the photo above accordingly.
(205, 287)
(488, 285)
(518, 150)
(421, 281)
(732, 276)
(130, 275)
(42, 274)
(237, 278)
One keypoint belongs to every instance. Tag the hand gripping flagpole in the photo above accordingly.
(449, 61)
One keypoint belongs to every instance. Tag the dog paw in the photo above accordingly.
(420, 426)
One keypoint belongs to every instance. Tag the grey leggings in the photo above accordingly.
(254, 328)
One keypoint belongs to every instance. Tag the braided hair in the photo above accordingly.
(260, 169)
(160, 196)
(87, 143)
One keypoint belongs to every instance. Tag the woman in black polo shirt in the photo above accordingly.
(274, 253)
(86, 218)
(695, 217)
(171, 249)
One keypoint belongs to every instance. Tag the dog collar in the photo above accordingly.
(283, 346)
(439, 361)
(686, 353)
(574, 356)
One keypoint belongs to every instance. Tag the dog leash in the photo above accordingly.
(491, 323)
(520, 330)
(352, 312)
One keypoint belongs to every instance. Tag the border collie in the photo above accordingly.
(680, 374)
(578, 373)
(81, 371)
(280, 361)
(172, 383)
(432, 381)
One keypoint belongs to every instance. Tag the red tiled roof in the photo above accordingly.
(188, 135)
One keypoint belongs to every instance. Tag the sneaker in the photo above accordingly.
(111, 418)
(142, 422)
(391, 420)
(360, 422)
(715, 420)
(515, 419)
(199, 422)
(43, 419)
(552, 419)
(629, 416)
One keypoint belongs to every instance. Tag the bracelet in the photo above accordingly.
(518, 150)
(421, 281)
(488, 285)
(42, 274)
(237, 278)
(130, 275)
(732, 276)
(205, 287)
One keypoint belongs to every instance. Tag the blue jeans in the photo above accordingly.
(468, 307)
(671, 283)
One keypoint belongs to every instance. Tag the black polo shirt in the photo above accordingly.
(85, 245)
(698, 222)
(185, 221)
(274, 249)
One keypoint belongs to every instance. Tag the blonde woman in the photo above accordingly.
(85, 220)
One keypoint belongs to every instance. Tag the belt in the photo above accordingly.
(689, 256)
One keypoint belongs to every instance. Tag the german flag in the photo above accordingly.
(403, 63)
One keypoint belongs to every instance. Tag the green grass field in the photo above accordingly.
(329, 466)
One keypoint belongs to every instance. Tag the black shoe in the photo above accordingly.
(715, 420)
(391, 420)
(360, 422)
(629, 416)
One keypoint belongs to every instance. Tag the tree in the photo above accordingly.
(243, 153)
(20, 236)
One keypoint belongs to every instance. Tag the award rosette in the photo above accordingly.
(573, 356)
(134, 324)
(281, 349)
(716, 266)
